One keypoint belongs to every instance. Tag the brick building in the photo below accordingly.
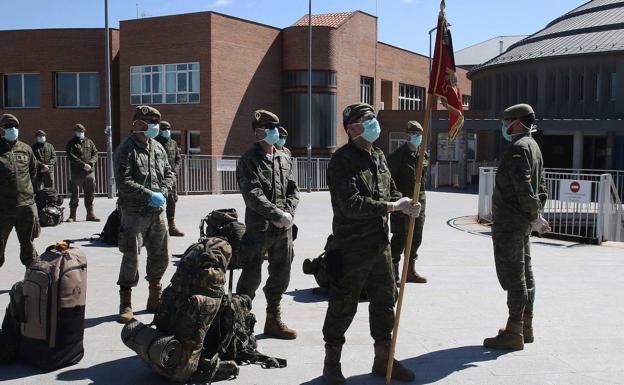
(206, 72)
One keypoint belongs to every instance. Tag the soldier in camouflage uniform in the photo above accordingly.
(403, 163)
(173, 154)
(18, 168)
(271, 196)
(82, 156)
(362, 194)
(144, 180)
(46, 156)
(517, 204)
(281, 143)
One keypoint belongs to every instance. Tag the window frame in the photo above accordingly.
(163, 71)
(411, 97)
(4, 94)
(192, 150)
(367, 85)
(468, 98)
(77, 74)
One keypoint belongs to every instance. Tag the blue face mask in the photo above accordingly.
(165, 134)
(508, 137)
(416, 139)
(153, 129)
(80, 135)
(281, 142)
(272, 135)
(41, 139)
(11, 133)
(372, 130)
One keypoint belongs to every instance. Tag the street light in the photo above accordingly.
(310, 96)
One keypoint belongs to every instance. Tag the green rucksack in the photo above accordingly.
(224, 223)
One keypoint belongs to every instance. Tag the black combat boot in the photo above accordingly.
(332, 370)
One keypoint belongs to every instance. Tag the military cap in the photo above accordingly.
(414, 126)
(40, 133)
(145, 113)
(80, 127)
(355, 112)
(165, 125)
(283, 132)
(262, 118)
(518, 111)
(8, 120)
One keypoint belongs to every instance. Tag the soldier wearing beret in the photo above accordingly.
(362, 194)
(281, 143)
(403, 163)
(173, 155)
(83, 157)
(144, 180)
(517, 204)
(271, 196)
(46, 156)
(18, 167)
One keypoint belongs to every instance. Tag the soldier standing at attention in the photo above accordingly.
(362, 194)
(82, 156)
(271, 196)
(517, 204)
(281, 143)
(46, 156)
(173, 155)
(403, 163)
(18, 168)
(144, 180)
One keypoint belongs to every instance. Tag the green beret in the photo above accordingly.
(414, 126)
(263, 118)
(164, 125)
(145, 113)
(80, 127)
(8, 120)
(283, 132)
(355, 112)
(40, 133)
(518, 111)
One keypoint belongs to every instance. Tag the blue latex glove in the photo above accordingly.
(156, 200)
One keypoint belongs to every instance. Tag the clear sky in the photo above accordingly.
(402, 23)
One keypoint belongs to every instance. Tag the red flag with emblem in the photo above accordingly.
(443, 80)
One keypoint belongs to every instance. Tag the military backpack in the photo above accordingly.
(224, 223)
(49, 207)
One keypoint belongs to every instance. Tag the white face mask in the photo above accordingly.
(41, 139)
(80, 135)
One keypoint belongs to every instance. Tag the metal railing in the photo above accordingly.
(446, 173)
(62, 174)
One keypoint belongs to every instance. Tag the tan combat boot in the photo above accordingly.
(91, 216)
(332, 370)
(412, 275)
(125, 305)
(380, 364)
(274, 327)
(153, 301)
(510, 338)
(527, 327)
(72, 214)
(174, 231)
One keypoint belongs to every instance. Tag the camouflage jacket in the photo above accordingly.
(81, 152)
(267, 184)
(141, 169)
(45, 153)
(18, 167)
(173, 152)
(402, 163)
(520, 187)
(360, 184)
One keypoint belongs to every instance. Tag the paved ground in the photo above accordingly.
(578, 315)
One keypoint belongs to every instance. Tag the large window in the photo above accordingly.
(21, 91)
(411, 97)
(366, 90)
(165, 84)
(193, 142)
(450, 150)
(77, 89)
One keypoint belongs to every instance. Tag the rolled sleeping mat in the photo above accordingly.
(153, 346)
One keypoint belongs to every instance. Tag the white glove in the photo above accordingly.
(45, 168)
(413, 210)
(540, 225)
(86, 167)
(285, 221)
(399, 205)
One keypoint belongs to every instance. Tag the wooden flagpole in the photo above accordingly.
(410, 235)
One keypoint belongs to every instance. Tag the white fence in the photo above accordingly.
(598, 217)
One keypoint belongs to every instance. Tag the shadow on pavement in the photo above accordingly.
(309, 295)
(128, 370)
(316, 381)
(92, 241)
(18, 370)
(435, 366)
(91, 322)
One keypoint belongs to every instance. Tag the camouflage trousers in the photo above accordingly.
(26, 223)
(44, 180)
(363, 268)
(87, 183)
(277, 245)
(172, 199)
(512, 256)
(399, 225)
(138, 230)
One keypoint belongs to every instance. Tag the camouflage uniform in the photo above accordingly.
(141, 169)
(402, 163)
(45, 155)
(80, 153)
(18, 168)
(173, 155)
(360, 185)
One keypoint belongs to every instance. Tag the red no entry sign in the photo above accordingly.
(575, 186)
